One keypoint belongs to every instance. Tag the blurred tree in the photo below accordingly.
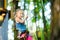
(43, 3)
(44, 21)
(38, 5)
(55, 20)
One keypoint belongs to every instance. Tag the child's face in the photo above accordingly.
(20, 14)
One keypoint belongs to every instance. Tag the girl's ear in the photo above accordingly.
(3, 14)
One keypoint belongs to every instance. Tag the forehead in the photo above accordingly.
(20, 12)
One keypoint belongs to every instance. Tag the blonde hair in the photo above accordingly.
(17, 11)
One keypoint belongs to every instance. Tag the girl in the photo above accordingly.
(20, 26)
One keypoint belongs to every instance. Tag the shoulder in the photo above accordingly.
(16, 19)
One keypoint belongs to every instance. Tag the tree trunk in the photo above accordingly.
(55, 20)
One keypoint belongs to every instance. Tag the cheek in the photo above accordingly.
(20, 14)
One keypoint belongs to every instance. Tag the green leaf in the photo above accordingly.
(11, 4)
(34, 1)
(28, 1)
(34, 19)
(39, 17)
(36, 10)
(45, 1)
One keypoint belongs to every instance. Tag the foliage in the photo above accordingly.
(38, 6)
